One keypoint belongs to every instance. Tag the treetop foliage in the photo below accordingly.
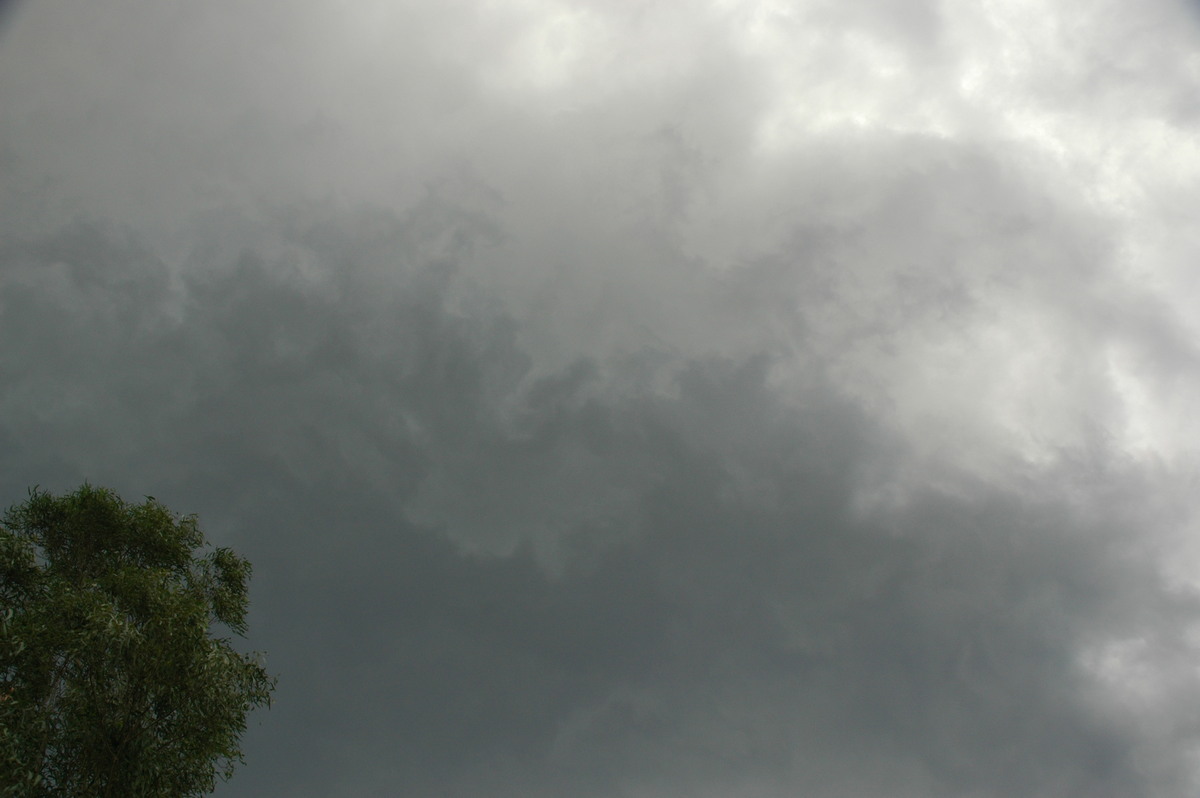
(112, 679)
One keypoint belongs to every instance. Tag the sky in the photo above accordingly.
(629, 399)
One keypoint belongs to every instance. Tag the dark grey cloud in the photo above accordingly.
(624, 400)
(673, 587)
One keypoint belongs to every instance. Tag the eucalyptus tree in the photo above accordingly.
(117, 675)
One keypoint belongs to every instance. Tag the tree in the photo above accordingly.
(113, 681)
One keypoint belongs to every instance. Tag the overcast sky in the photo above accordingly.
(632, 399)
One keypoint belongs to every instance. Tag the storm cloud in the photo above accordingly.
(728, 399)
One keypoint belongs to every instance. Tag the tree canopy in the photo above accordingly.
(114, 679)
